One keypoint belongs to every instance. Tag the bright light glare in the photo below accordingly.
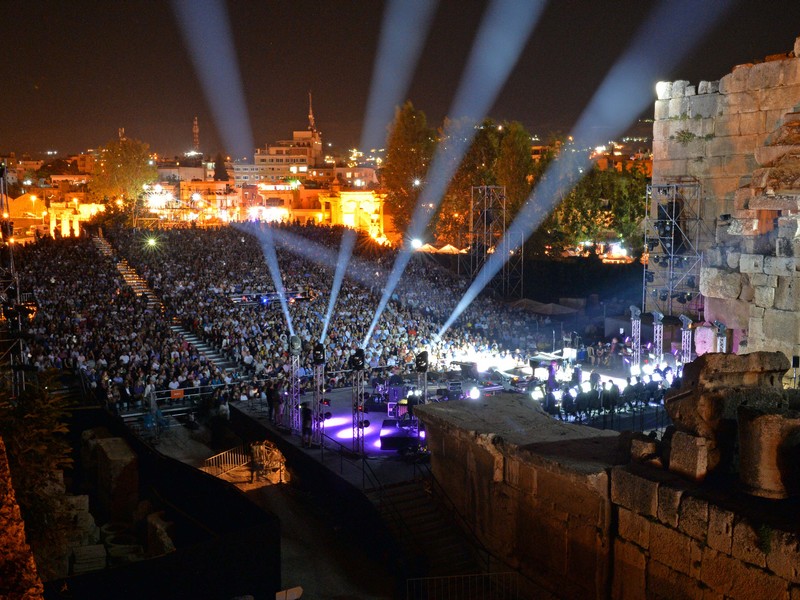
(474, 393)
(416, 243)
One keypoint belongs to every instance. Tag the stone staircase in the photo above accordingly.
(130, 275)
(423, 530)
(140, 286)
(211, 353)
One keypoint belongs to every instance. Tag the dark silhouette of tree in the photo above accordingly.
(408, 154)
(220, 171)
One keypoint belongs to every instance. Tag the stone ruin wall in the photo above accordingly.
(548, 521)
(710, 132)
(739, 138)
(623, 532)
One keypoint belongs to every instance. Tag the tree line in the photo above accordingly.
(605, 205)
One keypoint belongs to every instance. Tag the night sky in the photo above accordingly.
(76, 71)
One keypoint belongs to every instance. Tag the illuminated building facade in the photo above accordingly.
(362, 210)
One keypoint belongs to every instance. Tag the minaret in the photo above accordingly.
(121, 134)
(311, 125)
(196, 135)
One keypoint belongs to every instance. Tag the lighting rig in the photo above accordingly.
(636, 337)
(658, 335)
(356, 363)
(318, 422)
(686, 339)
(295, 346)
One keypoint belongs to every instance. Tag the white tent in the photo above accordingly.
(427, 248)
(448, 249)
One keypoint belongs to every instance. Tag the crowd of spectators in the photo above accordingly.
(89, 319)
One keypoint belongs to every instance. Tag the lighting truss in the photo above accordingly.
(674, 236)
(294, 394)
(318, 421)
(358, 412)
(487, 235)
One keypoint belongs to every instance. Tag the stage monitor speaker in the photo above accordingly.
(796, 362)
(469, 371)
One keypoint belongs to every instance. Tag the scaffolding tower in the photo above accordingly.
(673, 235)
(11, 351)
(488, 221)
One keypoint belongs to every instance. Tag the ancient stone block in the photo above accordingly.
(690, 90)
(780, 266)
(761, 279)
(726, 125)
(764, 296)
(720, 529)
(781, 325)
(679, 88)
(713, 87)
(742, 102)
(746, 544)
(678, 107)
(643, 450)
(718, 283)
(713, 257)
(663, 582)
(765, 76)
(664, 90)
(757, 312)
(118, 478)
(752, 123)
(661, 110)
(669, 499)
(673, 548)
(689, 456)
(736, 579)
(703, 106)
(633, 527)
(634, 492)
(732, 261)
(769, 443)
(788, 227)
(751, 263)
(783, 554)
(693, 517)
(629, 571)
(784, 97)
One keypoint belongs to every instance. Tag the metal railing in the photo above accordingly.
(485, 586)
(222, 463)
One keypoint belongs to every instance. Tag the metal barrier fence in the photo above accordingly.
(221, 463)
(487, 586)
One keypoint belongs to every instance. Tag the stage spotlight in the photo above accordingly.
(363, 424)
(318, 354)
(685, 321)
(649, 276)
(474, 393)
(636, 313)
(421, 362)
(327, 416)
(657, 316)
(356, 360)
(416, 243)
(295, 345)
(663, 295)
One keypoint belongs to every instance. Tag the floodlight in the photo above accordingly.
(474, 393)
(356, 360)
(636, 313)
(318, 354)
(657, 316)
(421, 362)
(295, 345)
(685, 321)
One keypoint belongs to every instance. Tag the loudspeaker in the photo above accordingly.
(796, 362)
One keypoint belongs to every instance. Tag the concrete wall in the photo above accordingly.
(711, 131)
